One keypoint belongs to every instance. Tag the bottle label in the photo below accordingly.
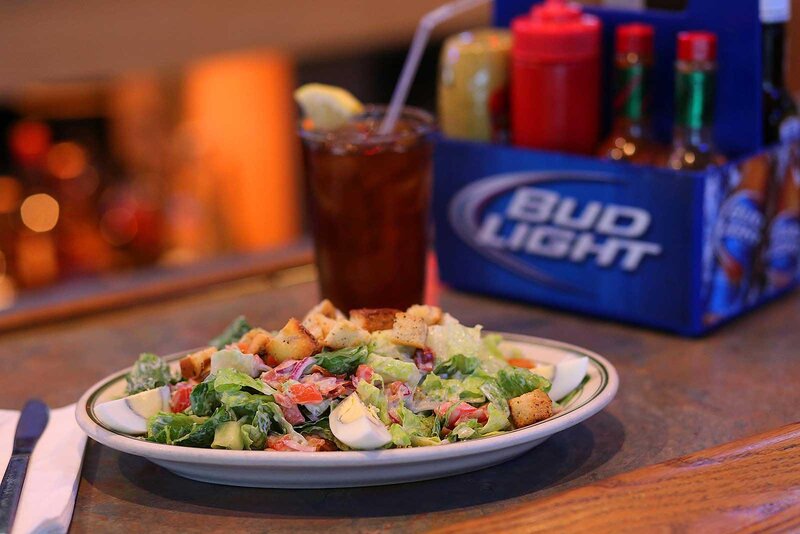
(632, 91)
(736, 238)
(784, 248)
(694, 94)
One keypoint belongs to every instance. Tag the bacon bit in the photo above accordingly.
(290, 410)
(423, 358)
(286, 443)
(363, 372)
(399, 388)
(393, 416)
(321, 444)
(521, 362)
(321, 370)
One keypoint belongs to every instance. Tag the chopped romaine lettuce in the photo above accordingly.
(167, 427)
(515, 381)
(373, 397)
(457, 366)
(447, 340)
(229, 379)
(252, 438)
(342, 361)
(465, 430)
(232, 333)
(204, 399)
(498, 419)
(393, 370)
(400, 437)
(228, 435)
(148, 372)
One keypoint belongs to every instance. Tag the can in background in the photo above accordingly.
(473, 85)
(783, 245)
(737, 236)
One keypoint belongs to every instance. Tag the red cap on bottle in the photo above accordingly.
(635, 38)
(697, 46)
(556, 31)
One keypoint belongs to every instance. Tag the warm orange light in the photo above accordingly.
(66, 160)
(29, 140)
(7, 292)
(118, 226)
(39, 212)
(241, 114)
(10, 194)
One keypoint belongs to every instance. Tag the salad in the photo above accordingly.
(378, 378)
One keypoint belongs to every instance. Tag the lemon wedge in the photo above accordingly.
(327, 106)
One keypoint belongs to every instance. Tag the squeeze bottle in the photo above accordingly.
(555, 78)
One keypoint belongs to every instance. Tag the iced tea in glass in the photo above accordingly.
(369, 195)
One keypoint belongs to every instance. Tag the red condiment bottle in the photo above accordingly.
(555, 78)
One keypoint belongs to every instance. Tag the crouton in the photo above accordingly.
(346, 334)
(531, 407)
(319, 325)
(255, 342)
(293, 342)
(409, 330)
(373, 319)
(326, 308)
(430, 314)
(198, 364)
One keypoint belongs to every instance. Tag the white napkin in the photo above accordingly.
(51, 483)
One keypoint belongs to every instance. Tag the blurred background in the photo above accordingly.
(160, 133)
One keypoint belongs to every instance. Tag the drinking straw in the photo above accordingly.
(426, 25)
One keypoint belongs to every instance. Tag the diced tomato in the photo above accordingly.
(305, 393)
(521, 362)
(462, 412)
(180, 397)
(364, 372)
(423, 358)
(271, 361)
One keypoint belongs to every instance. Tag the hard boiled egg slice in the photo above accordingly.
(130, 414)
(568, 375)
(354, 425)
(249, 364)
(544, 369)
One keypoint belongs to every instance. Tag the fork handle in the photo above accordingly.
(11, 489)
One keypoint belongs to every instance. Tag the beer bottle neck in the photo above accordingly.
(772, 48)
(694, 95)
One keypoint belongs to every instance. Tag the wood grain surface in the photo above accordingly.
(749, 485)
(677, 396)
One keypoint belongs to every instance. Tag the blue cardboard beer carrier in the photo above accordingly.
(675, 250)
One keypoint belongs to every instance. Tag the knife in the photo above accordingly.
(32, 422)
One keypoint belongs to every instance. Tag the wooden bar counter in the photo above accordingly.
(677, 397)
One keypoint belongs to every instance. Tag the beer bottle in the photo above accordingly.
(781, 121)
(693, 145)
(630, 139)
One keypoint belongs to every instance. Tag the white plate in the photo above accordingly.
(359, 468)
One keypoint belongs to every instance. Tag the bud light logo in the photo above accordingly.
(514, 218)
